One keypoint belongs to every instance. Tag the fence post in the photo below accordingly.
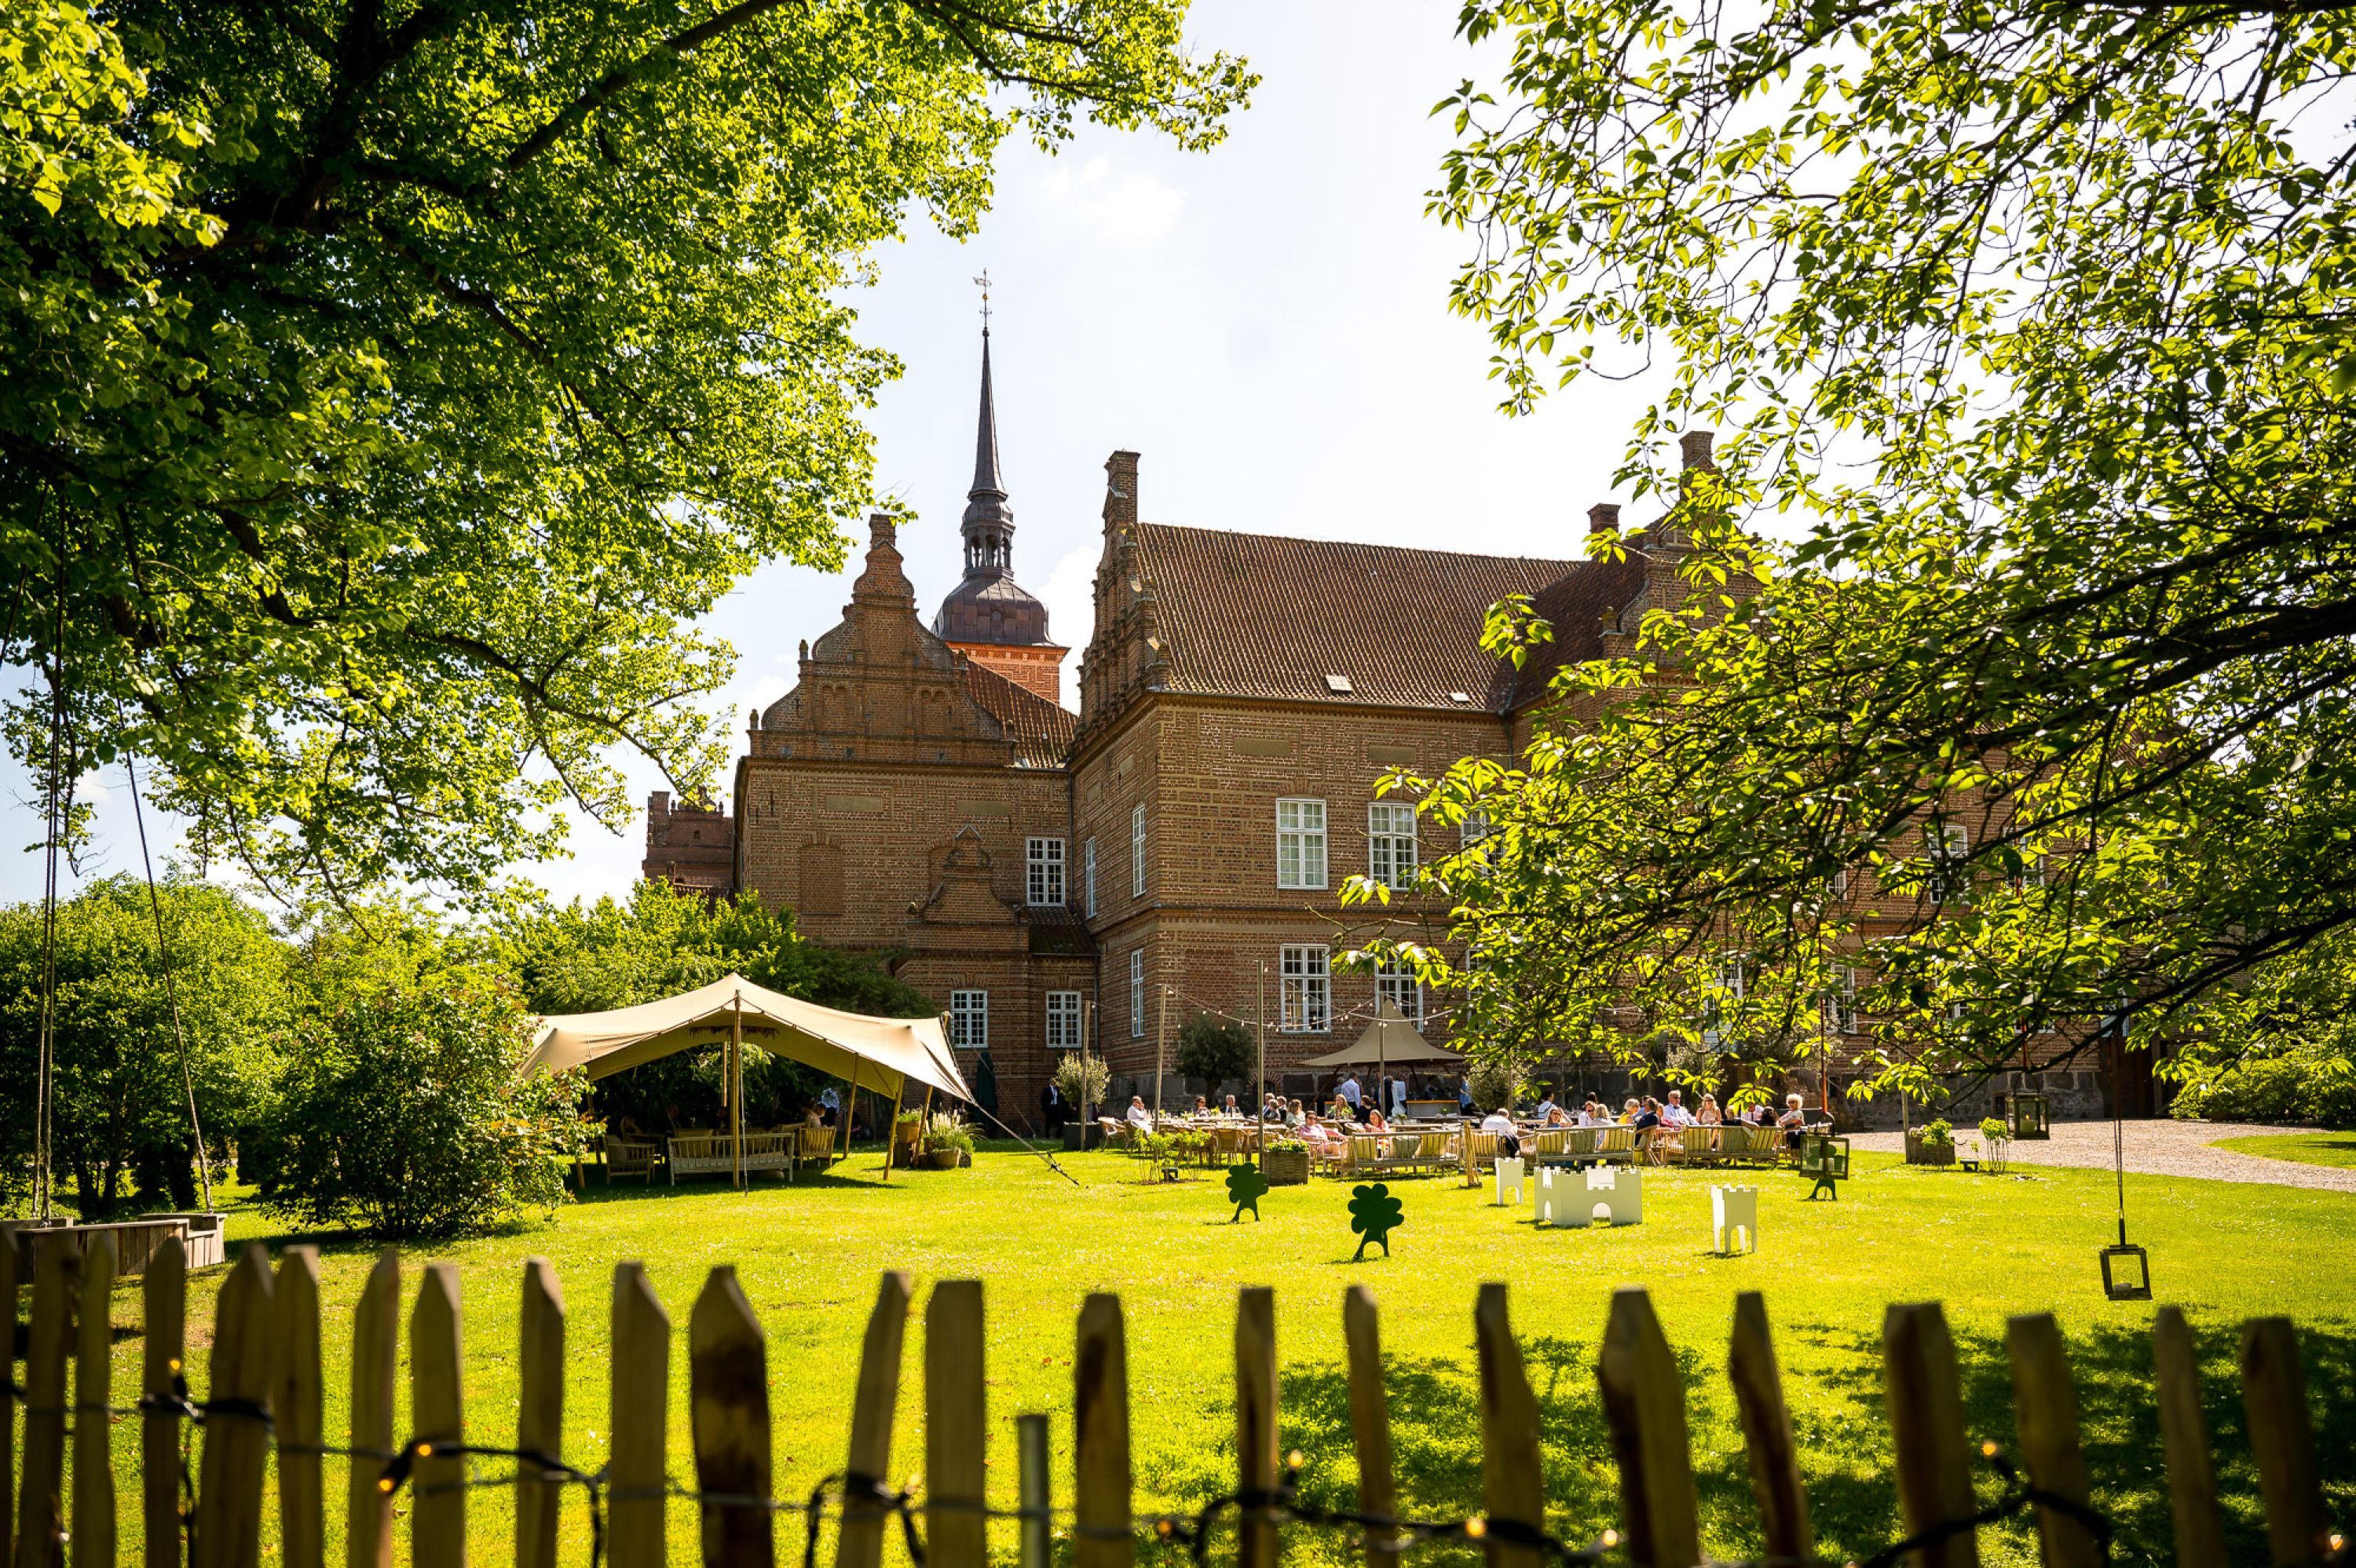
(375, 1355)
(437, 1416)
(40, 1528)
(637, 1471)
(1256, 1459)
(1102, 1524)
(2045, 1406)
(2297, 1530)
(957, 1427)
(1036, 1495)
(1775, 1483)
(93, 1455)
(729, 1412)
(1370, 1423)
(8, 1282)
(540, 1413)
(872, 1406)
(1926, 1423)
(237, 1444)
(296, 1404)
(1644, 1402)
(1513, 1490)
(2191, 1474)
(162, 1342)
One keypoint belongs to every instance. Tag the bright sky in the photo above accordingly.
(1266, 324)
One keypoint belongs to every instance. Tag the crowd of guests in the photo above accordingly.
(1353, 1111)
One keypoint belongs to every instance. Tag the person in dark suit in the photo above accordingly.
(1054, 1109)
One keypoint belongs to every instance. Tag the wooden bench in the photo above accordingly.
(627, 1156)
(714, 1154)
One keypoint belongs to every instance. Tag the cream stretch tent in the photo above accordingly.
(882, 1054)
(1391, 1040)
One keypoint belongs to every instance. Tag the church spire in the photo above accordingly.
(988, 524)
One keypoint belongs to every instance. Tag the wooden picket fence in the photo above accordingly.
(264, 1394)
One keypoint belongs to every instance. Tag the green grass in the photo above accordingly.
(2304, 1148)
(809, 1257)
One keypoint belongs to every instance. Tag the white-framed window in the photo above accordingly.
(1043, 865)
(1395, 983)
(969, 1019)
(2032, 870)
(1474, 828)
(1136, 992)
(1840, 1007)
(1063, 1020)
(1390, 844)
(1137, 853)
(1089, 877)
(1839, 886)
(1947, 845)
(1299, 844)
(1306, 971)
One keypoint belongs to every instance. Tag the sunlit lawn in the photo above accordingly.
(2306, 1148)
(809, 1257)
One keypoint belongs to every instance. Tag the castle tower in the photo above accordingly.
(988, 616)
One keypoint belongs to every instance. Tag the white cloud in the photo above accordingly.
(1129, 211)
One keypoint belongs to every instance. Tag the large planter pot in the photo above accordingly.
(1079, 1136)
(1288, 1168)
(1920, 1153)
(944, 1159)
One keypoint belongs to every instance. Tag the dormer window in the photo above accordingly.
(1339, 685)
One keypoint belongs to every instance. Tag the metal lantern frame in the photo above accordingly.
(2031, 1116)
(2117, 1282)
(1824, 1158)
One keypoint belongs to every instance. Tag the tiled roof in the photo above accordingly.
(1574, 605)
(1042, 731)
(1263, 616)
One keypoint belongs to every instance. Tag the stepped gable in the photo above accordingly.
(1042, 731)
(1266, 615)
(1577, 605)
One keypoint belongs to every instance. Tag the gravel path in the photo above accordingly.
(2159, 1148)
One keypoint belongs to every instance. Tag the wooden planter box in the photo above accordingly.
(1288, 1168)
(1920, 1153)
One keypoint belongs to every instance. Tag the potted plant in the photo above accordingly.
(1083, 1079)
(1998, 1134)
(949, 1142)
(1933, 1143)
(907, 1135)
(1287, 1164)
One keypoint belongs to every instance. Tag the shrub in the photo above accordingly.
(1935, 1134)
(1287, 1146)
(1497, 1083)
(1214, 1048)
(1083, 1079)
(2303, 1087)
(402, 1116)
(1997, 1130)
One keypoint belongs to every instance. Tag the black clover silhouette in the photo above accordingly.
(1244, 1186)
(1374, 1215)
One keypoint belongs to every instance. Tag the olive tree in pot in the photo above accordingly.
(1083, 1078)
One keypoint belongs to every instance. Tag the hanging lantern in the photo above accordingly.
(1825, 1159)
(2126, 1270)
(2029, 1116)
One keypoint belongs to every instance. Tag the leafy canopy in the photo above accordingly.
(2034, 318)
(383, 387)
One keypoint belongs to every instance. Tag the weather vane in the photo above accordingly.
(983, 284)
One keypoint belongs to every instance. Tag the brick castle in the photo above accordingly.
(1177, 845)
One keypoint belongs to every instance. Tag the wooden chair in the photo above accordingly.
(1698, 1146)
(1616, 1146)
(815, 1146)
(630, 1156)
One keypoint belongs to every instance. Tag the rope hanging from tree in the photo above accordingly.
(171, 988)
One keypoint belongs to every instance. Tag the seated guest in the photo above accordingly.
(1294, 1115)
(1710, 1115)
(1793, 1119)
(1591, 1114)
(1227, 1107)
(1138, 1117)
(1557, 1116)
(1201, 1108)
(1376, 1122)
(1674, 1113)
(1628, 1114)
(1501, 1122)
(1546, 1104)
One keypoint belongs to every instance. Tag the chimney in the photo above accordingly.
(1120, 489)
(658, 805)
(1603, 516)
(1694, 446)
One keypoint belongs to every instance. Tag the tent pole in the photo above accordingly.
(736, 1091)
(849, 1106)
(892, 1133)
(1260, 1006)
